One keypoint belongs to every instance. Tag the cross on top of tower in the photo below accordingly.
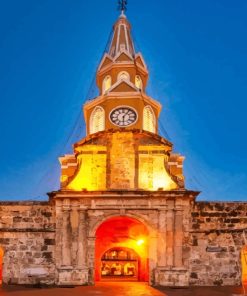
(122, 5)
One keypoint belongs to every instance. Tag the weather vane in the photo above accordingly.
(122, 5)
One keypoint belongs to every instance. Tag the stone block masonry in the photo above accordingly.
(218, 234)
(198, 243)
(27, 237)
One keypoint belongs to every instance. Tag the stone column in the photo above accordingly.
(178, 237)
(162, 245)
(74, 222)
(92, 259)
(82, 239)
(170, 235)
(66, 229)
(152, 257)
(59, 237)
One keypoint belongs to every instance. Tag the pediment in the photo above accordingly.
(139, 60)
(107, 60)
(123, 56)
(123, 86)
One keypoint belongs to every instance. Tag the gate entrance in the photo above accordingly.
(121, 250)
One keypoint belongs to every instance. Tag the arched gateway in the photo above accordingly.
(121, 250)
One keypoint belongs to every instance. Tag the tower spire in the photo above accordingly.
(122, 39)
(122, 5)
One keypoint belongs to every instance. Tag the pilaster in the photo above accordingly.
(170, 234)
(66, 231)
(162, 237)
(178, 237)
(82, 239)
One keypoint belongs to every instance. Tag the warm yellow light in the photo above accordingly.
(152, 171)
(138, 82)
(91, 172)
(244, 265)
(140, 242)
(106, 83)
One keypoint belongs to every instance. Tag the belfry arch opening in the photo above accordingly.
(1, 266)
(121, 250)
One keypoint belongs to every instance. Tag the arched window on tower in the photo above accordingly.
(149, 120)
(138, 82)
(123, 76)
(106, 84)
(97, 120)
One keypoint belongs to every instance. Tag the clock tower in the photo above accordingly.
(122, 128)
(122, 208)
(122, 78)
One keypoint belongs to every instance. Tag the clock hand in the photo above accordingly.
(121, 117)
(125, 115)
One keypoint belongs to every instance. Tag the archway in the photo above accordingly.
(121, 250)
(1, 266)
(244, 266)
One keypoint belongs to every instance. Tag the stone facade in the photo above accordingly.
(27, 237)
(218, 234)
(190, 243)
(115, 160)
(165, 214)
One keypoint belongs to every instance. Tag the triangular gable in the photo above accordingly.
(139, 60)
(123, 56)
(105, 61)
(123, 86)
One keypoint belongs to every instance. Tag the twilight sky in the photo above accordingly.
(196, 52)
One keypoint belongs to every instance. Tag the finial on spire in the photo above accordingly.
(122, 5)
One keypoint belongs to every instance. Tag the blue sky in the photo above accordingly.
(196, 52)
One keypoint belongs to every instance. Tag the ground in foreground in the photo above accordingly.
(120, 289)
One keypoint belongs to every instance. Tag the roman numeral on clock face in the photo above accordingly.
(123, 116)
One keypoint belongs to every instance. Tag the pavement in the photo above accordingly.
(203, 291)
(120, 289)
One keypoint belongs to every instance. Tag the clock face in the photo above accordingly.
(123, 116)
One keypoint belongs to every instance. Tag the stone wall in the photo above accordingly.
(218, 233)
(27, 237)
(166, 215)
(202, 240)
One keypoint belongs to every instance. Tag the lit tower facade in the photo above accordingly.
(122, 211)
(122, 149)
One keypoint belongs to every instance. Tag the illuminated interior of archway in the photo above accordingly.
(121, 250)
(1, 264)
(244, 265)
(120, 263)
